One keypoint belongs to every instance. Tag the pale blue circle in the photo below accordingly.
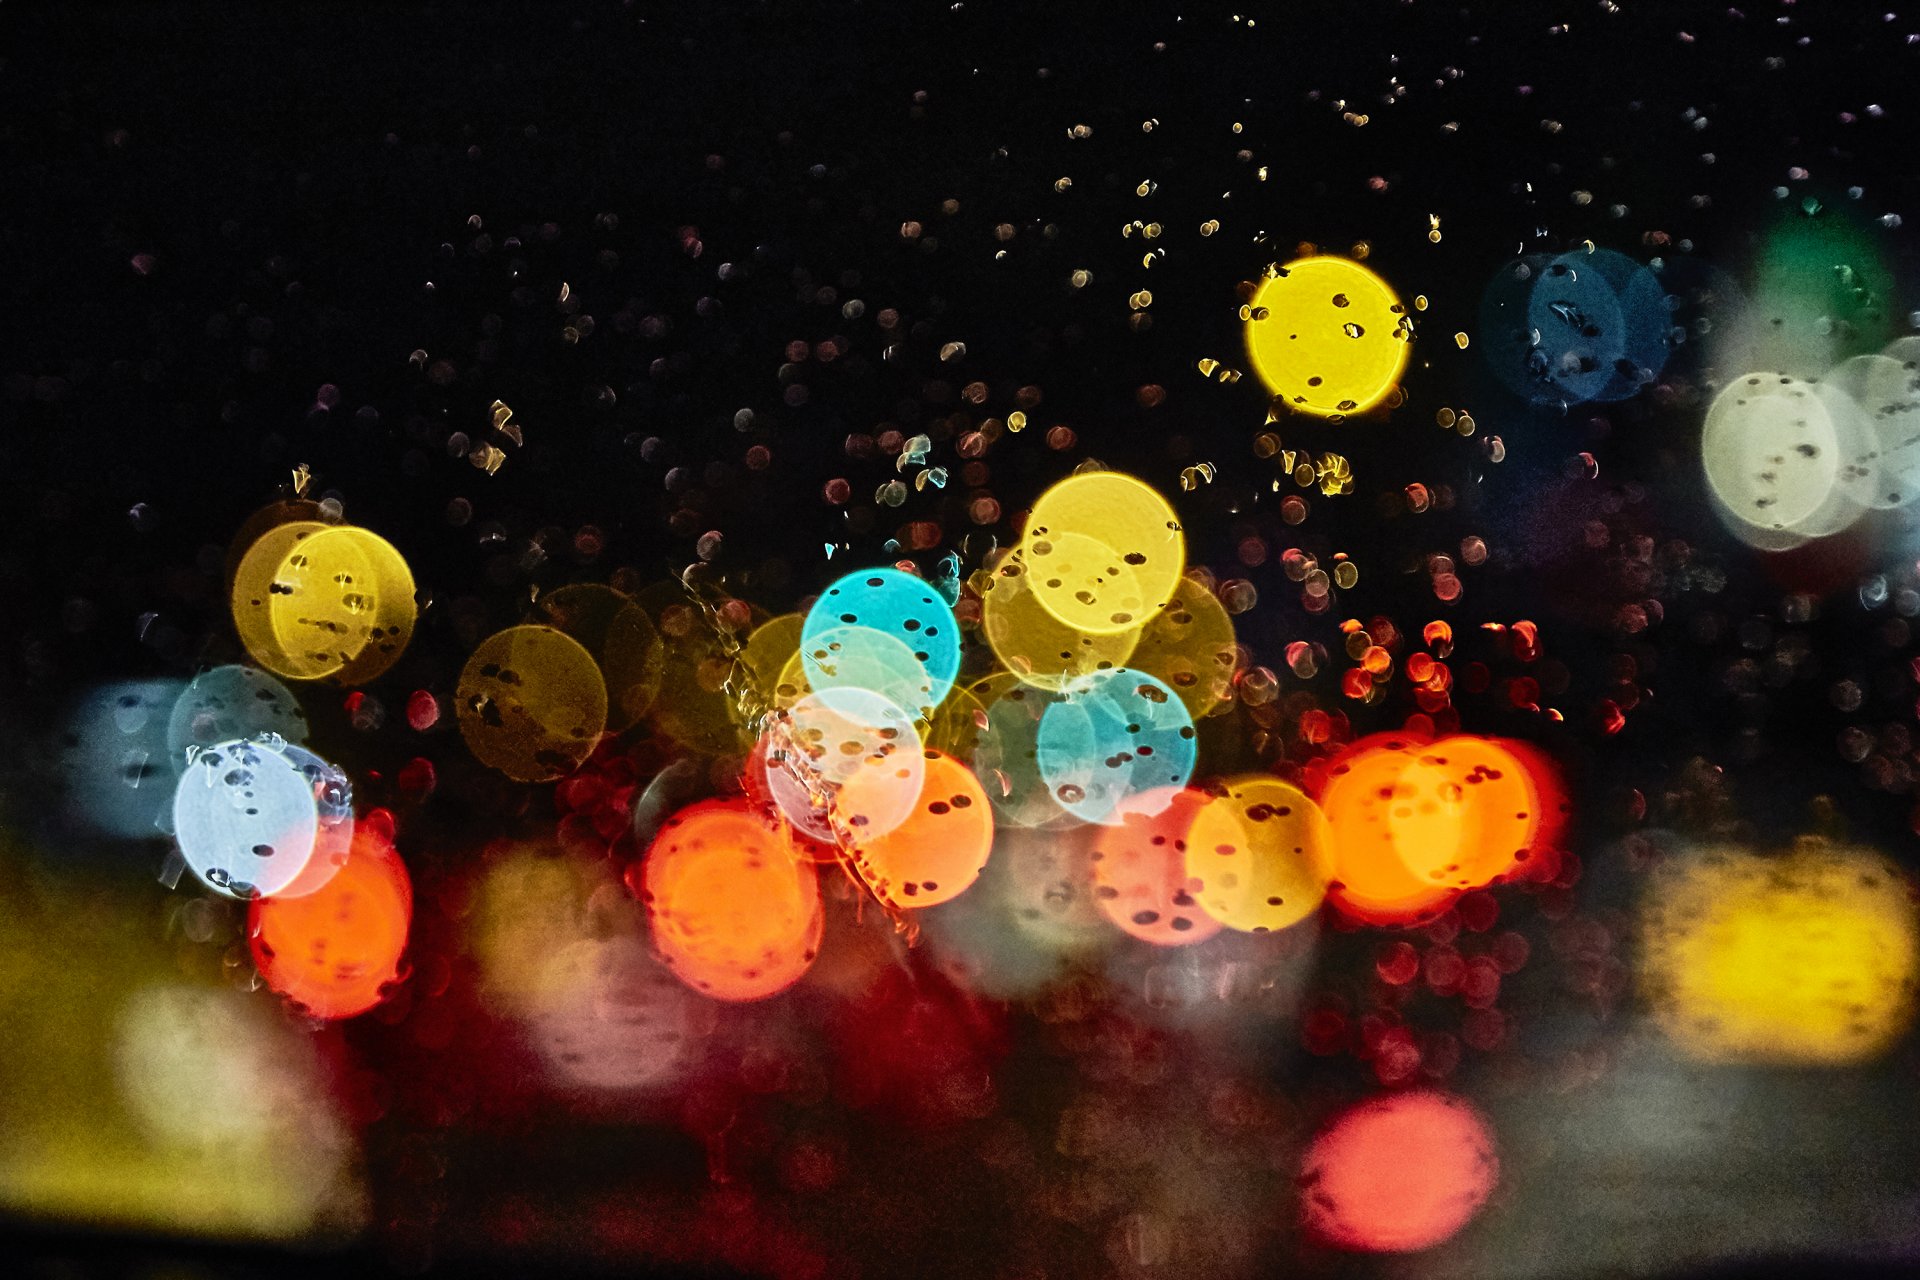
(114, 757)
(1114, 734)
(899, 606)
(226, 704)
(249, 814)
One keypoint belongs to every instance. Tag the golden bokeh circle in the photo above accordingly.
(1327, 336)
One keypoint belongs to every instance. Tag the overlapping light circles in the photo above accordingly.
(1808, 958)
(1327, 336)
(733, 908)
(885, 631)
(1140, 877)
(1189, 646)
(1112, 739)
(261, 817)
(1033, 644)
(995, 724)
(622, 640)
(334, 951)
(842, 765)
(1788, 461)
(936, 853)
(314, 601)
(1398, 1173)
(1565, 329)
(1260, 854)
(1414, 825)
(532, 703)
(1103, 551)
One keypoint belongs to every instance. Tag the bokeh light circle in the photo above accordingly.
(1399, 1173)
(1103, 550)
(228, 703)
(1140, 877)
(1111, 736)
(1327, 336)
(247, 814)
(334, 952)
(532, 703)
(1260, 855)
(341, 605)
(1033, 644)
(734, 910)
(936, 853)
(1189, 646)
(842, 765)
(864, 610)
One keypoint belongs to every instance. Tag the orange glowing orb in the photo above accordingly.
(333, 951)
(1140, 878)
(733, 907)
(1399, 1173)
(939, 850)
(1415, 824)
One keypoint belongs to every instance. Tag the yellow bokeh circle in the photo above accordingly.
(1036, 647)
(532, 703)
(1327, 336)
(1103, 550)
(1261, 854)
(342, 605)
(1805, 959)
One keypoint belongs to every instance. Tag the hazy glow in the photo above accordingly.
(1809, 957)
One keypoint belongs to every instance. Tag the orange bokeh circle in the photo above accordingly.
(334, 950)
(733, 906)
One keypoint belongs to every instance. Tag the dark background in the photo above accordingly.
(214, 211)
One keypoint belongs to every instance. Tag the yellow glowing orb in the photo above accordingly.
(1103, 551)
(1810, 958)
(1261, 855)
(772, 659)
(1327, 336)
(532, 704)
(341, 605)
